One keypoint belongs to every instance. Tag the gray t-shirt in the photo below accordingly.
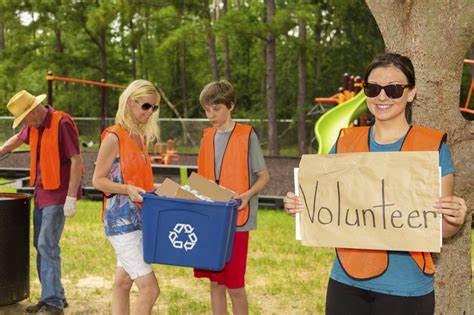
(256, 164)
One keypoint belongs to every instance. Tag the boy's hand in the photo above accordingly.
(245, 197)
(292, 204)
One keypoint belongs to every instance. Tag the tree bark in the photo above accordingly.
(302, 143)
(211, 43)
(226, 47)
(103, 65)
(103, 53)
(2, 36)
(184, 88)
(134, 48)
(270, 82)
(59, 42)
(436, 36)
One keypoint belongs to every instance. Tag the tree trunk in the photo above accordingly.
(436, 36)
(2, 36)
(134, 49)
(211, 44)
(146, 44)
(59, 42)
(59, 55)
(103, 64)
(302, 144)
(226, 47)
(103, 53)
(184, 89)
(270, 80)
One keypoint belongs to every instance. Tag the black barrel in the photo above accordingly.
(14, 247)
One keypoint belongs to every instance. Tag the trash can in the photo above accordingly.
(188, 233)
(14, 247)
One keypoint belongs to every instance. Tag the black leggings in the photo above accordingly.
(342, 299)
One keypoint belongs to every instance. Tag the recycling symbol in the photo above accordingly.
(188, 230)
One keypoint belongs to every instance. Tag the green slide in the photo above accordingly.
(328, 126)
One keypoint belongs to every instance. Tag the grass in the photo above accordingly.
(283, 277)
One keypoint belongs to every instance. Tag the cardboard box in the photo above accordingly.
(173, 190)
(199, 183)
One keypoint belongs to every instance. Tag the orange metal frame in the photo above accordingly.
(103, 84)
(466, 108)
(165, 157)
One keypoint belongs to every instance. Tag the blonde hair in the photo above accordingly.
(136, 89)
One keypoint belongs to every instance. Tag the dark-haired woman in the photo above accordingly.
(406, 284)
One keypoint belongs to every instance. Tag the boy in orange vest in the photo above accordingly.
(231, 155)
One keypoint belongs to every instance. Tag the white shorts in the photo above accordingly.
(129, 250)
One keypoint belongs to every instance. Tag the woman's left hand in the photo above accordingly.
(453, 209)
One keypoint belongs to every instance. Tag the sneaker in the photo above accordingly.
(42, 307)
(49, 309)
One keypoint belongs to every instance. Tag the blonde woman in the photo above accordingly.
(122, 172)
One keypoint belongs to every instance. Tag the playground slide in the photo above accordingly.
(328, 126)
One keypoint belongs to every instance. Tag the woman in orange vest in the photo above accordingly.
(122, 172)
(390, 282)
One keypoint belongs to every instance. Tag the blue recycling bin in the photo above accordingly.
(188, 233)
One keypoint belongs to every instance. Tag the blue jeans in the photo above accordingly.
(48, 226)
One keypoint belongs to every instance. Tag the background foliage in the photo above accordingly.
(165, 42)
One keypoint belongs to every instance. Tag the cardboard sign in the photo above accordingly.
(377, 200)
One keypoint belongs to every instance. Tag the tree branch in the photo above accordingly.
(175, 111)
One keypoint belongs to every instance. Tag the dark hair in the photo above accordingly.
(218, 92)
(400, 62)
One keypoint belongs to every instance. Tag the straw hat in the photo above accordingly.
(22, 104)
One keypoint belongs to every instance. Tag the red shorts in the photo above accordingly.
(233, 274)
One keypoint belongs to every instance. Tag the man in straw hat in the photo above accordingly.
(55, 172)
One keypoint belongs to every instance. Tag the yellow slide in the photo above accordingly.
(328, 126)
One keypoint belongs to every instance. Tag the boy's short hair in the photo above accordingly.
(218, 92)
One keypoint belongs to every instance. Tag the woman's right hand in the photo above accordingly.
(134, 192)
(292, 203)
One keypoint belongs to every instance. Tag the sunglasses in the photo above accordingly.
(391, 90)
(147, 106)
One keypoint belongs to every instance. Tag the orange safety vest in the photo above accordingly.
(135, 170)
(234, 173)
(49, 155)
(364, 264)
